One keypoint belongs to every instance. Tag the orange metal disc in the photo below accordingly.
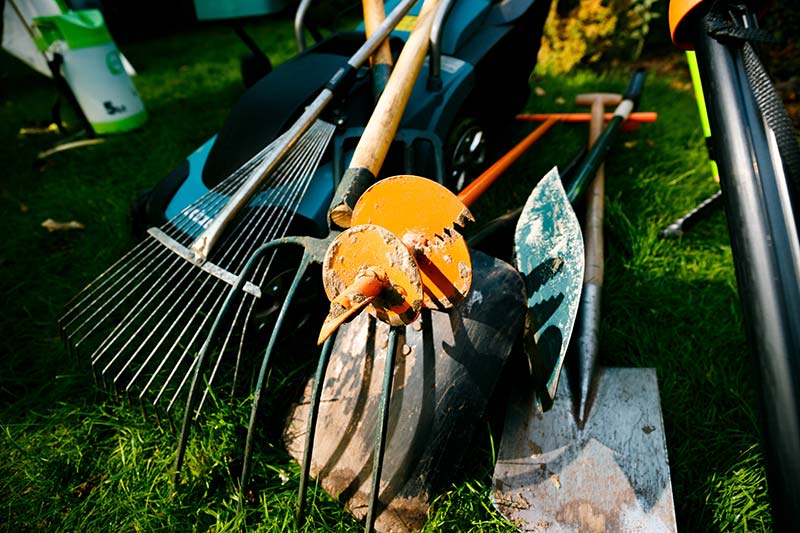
(424, 215)
(367, 246)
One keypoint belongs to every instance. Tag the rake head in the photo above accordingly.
(144, 320)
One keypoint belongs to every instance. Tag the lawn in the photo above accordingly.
(74, 459)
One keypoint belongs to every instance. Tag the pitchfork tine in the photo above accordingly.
(199, 361)
(383, 420)
(248, 448)
(311, 426)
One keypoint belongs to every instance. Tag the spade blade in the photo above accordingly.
(548, 248)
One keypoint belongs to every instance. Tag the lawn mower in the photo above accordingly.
(474, 81)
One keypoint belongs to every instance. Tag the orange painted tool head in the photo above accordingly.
(424, 215)
(368, 266)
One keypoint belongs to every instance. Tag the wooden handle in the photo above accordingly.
(382, 125)
(374, 13)
(593, 236)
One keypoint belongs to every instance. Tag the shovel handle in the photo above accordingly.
(595, 195)
(340, 81)
(593, 242)
(382, 126)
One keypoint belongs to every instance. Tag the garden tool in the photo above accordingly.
(596, 461)
(447, 364)
(364, 166)
(359, 261)
(381, 61)
(755, 147)
(444, 384)
(146, 317)
(631, 123)
(703, 210)
(486, 237)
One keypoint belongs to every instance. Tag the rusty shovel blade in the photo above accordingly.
(552, 475)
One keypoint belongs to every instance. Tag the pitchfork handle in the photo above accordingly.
(382, 126)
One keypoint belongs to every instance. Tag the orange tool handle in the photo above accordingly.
(471, 192)
(639, 116)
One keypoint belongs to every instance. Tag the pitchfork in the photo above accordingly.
(364, 166)
(143, 320)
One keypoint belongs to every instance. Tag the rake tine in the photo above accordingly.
(154, 329)
(311, 426)
(285, 189)
(147, 253)
(180, 359)
(153, 351)
(183, 356)
(383, 421)
(185, 270)
(289, 188)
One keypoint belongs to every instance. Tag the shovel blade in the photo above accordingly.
(447, 367)
(612, 475)
(548, 249)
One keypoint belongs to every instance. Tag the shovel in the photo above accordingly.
(597, 460)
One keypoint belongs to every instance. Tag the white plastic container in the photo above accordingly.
(93, 69)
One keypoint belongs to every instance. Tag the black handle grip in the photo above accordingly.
(635, 87)
(603, 144)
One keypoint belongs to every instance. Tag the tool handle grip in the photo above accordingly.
(382, 126)
(603, 145)
(384, 121)
(635, 87)
(381, 60)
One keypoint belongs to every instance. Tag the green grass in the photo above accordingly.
(73, 459)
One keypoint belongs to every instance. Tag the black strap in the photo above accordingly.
(720, 26)
(771, 106)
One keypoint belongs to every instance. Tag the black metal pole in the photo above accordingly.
(764, 243)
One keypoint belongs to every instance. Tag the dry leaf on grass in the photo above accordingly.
(681, 85)
(539, 91)
(52, 225)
